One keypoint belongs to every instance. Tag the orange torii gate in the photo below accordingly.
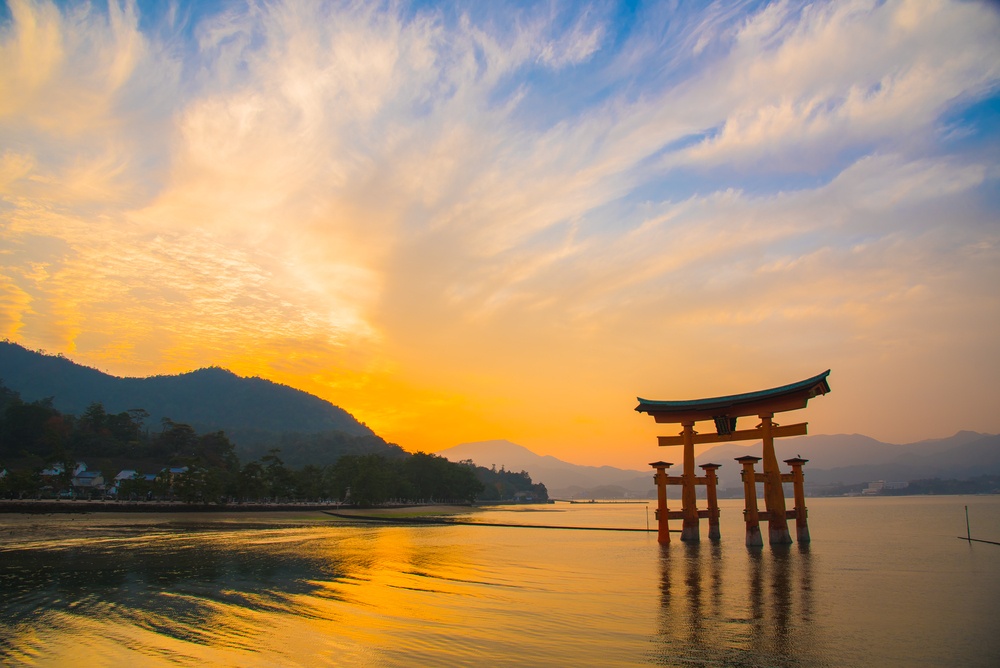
(724, 411)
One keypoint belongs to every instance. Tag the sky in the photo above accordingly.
(468, 221)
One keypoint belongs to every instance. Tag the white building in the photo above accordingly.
(880, 486)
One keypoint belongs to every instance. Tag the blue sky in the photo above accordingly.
(467, 221)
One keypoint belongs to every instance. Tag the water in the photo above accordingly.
(885, 581)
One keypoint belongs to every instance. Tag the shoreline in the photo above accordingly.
(76, 506)
(70, 506)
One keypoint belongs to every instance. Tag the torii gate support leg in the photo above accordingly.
(662, 514)
(798, 481)
(713, 501)
(689, 530)
(749, 476)
(774, 494)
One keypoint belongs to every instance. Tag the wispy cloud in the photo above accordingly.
(476, 221)
(844, 77)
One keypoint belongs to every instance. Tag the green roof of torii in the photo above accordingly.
(786, 397)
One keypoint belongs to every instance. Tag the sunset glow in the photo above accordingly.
(471, 221)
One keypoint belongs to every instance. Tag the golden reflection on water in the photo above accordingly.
(183, 595)
(290, 595)
(748, 607)
(309, 591)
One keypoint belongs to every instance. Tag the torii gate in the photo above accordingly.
(724, 411)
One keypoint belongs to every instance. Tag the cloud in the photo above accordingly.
(574, 47)
(464, 219)
(798, 90)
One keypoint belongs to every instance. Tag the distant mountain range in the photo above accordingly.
(854, 458)
(256, 414)
(561, 479)
(839, 459)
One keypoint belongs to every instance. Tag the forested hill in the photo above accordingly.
(255, 413)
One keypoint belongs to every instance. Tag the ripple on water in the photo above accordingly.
(281, 593)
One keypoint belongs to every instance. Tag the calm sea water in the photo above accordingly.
(884, 582)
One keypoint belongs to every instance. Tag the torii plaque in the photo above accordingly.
(724, 411)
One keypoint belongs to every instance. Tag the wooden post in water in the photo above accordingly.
(774, 493)
(662, 514)
(711, 483)
(689, 500)
(754, 539)
(798, 482)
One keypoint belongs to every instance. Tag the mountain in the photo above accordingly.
(562, 479)
(853, 458)
(258, 414)
(837, 459)
(255, 413)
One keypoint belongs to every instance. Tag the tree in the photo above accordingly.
(309, 483)
(23, 428)
(138, 417)
(251, 482)
(280, 482)
(176, 439)
(199, 485)
(434, 477)
(365, 475)
(136, 487)
(95, 419)
(19, 484)
(215, 450)
(504, 485)
(465, 483)
(64, 480)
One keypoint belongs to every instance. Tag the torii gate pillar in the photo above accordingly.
(774, 494)
(750, 514)
(690, 532)
(711, 483)
(798, 483)
(662, 513)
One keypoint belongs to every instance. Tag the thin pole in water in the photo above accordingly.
(647, 517)
(968, 532)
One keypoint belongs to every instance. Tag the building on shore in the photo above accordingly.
(881, 486)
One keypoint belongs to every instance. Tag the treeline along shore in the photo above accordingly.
(117, 462)
(52, 506)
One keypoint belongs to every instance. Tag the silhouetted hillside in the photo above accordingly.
(853, 458)
(256, 414)
(843, 459)
(562, 479)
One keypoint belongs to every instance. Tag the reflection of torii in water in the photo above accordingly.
(724, 411)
